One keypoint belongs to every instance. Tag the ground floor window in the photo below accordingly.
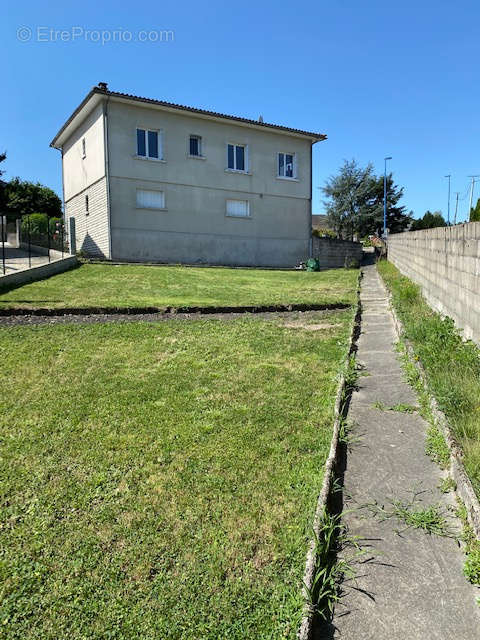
(238, 208)
(150, 199)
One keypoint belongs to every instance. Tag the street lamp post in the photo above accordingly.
(448, 207)
(385, 198)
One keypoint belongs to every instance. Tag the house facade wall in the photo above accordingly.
(194, 227)
(84, 175)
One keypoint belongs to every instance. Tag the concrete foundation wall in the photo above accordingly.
(194, 228)
(333, 253)
(445, 262)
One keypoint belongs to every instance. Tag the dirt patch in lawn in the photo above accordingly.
(309, 327)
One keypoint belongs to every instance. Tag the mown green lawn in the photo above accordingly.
(114, 286)
(159, 480)
(452, 366)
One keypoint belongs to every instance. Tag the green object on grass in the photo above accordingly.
(313, 264)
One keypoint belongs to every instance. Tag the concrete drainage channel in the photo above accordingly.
(382, 564)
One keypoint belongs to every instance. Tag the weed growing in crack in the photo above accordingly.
(400, 407)
(471, 568)
(403, 408)
(346, 436)
(430, 519)
(330, 569)
(351, 374)
(436, 446)
(447, 484)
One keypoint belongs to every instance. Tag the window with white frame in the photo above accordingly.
(150, 199)
(84, 148)
(149, 144)
(195, 146)
(238, 208)
(237, 157)
(287, 165)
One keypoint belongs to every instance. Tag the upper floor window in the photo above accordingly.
(195, 146)
(149, 144)
(287, 165)
(237, 157)
(84, 148)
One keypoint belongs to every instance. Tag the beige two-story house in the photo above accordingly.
(146, 180)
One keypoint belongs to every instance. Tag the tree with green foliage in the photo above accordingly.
(23, 197)
(354, 202)
(3, 157)
(348, 195)
(429, 221)
(475, 212)
(372, 220)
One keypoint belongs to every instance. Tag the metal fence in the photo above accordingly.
(30, 241)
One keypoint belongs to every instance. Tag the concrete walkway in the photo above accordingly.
(409, 584)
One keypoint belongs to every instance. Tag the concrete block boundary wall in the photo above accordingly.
(37, 273)
(333, 253)
(445, 262)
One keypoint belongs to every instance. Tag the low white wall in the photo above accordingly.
(445, 262)
(37, 273)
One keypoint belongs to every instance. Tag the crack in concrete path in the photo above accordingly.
(410, 585)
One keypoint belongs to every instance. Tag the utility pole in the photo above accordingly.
(385, 199)
(471, 195)
(457, 193)
(448, 208)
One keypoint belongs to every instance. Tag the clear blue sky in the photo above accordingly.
(379, 78)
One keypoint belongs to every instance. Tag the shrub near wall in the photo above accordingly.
(36, 224)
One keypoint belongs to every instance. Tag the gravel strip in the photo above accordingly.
(101, 318)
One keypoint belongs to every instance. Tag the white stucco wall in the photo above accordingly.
(79, 172)
(85, 176)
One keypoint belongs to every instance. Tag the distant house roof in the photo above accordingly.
(101, 90)
(319, 221)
